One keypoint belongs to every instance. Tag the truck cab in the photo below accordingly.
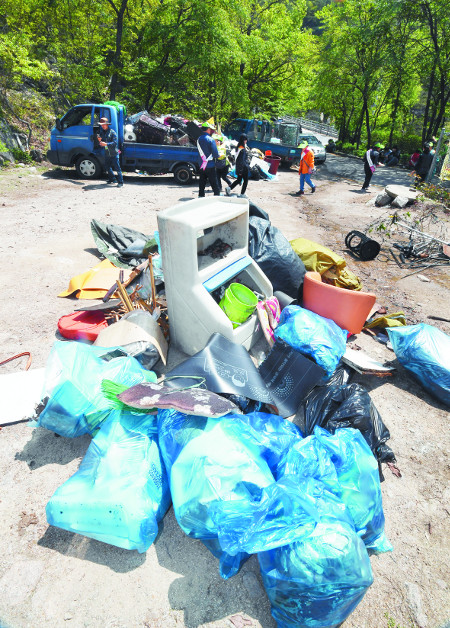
(74, 138)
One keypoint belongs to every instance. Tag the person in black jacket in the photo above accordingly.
(242, 167)
(424, 164)
(394, 157)
(108, 140)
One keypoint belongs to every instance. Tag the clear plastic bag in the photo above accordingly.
(120, 492)
(73, 397)
(425, 351)
(314, 336)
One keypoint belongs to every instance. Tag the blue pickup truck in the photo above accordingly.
(74, 142)
(262, 133)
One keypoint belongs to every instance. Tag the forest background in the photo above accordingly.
(378, 69)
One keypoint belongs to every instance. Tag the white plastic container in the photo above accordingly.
(185, 230)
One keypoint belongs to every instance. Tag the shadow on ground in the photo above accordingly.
(401, 379)
(69, 175)
(201, 593)
(77, 546)
(337, 167)
(42, 449)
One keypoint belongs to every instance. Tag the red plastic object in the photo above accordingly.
(347, 308)
(268, 153)
(274, 163)
(82, 325)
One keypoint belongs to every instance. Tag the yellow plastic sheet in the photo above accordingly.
(331, 266)
(389, 320)
(94, 283)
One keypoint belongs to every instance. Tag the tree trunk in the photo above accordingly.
(356, 139)
(367, 116)
(443, 100)
(394, 113)
(118, 50)
(428, 104)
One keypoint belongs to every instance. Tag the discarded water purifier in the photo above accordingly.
(195, 274)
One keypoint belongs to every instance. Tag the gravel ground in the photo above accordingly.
(49, 577)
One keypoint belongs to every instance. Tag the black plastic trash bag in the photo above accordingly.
(275, 256)
(334, 407)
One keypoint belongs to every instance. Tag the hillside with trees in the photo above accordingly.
(376, 68)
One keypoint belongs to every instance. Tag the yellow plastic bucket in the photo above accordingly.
(238, 303)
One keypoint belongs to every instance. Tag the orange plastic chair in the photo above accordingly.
(347, 308)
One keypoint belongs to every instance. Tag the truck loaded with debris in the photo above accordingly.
(278, 137)
(145, 144)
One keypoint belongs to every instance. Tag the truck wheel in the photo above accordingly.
(183, 174)
(88, 168)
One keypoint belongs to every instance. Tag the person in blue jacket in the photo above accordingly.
(208, 154)
(107, 139)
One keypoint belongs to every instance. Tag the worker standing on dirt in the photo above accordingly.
(108, 140)
(208, 154)
(371, 162)
(306, 168)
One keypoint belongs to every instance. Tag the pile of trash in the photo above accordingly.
(148, 129)
(212, 437)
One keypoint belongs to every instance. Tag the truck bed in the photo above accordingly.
(287, 153)
(156, 156)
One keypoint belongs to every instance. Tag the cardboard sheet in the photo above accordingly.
(137, 326)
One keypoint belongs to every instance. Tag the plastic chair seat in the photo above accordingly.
(347, 308)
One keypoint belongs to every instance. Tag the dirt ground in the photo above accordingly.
(49, 577)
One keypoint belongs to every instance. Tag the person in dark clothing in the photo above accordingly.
(385, 154)
(394, 157)
(371, 162)
(331, 146)
(107, 139)
(242, 167)
(208, 153)
(423, 164)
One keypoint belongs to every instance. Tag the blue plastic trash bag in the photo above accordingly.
(425, 351)
(272, 435)
(359, 483)
(318, 581)
(76, 404)
(210, 461)
(120, 492)
(281, 513)
(317, 337)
